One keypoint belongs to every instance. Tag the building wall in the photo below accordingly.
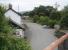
(12, 15)
(17, 19)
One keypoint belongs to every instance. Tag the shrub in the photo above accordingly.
(44, 20)
(10, 42)
(35, 19)
(64, 22)
(51, 23)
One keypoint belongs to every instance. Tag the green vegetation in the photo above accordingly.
(35, 19)
(7, 40)
(64, 20)
(51, 23)
(44, 20)
(48, 15)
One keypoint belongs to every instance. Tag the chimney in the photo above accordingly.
(10, 6)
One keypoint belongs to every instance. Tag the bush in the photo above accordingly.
(64, 22)
(9, 42)
(51, 23)
(44, 20)
(35, 19)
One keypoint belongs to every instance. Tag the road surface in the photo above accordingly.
(38, 36)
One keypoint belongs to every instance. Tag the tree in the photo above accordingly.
(64, 22)
(55, 15)
(41, 11)
(64, 19)
(65, 10)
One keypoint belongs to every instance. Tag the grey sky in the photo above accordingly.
(26, 5)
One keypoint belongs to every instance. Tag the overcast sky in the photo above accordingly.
(27, 5)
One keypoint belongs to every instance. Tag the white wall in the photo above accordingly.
(12, 15)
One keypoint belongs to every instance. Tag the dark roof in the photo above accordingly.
(14, 11)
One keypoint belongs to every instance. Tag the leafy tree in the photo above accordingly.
(31, 14)
(65, 10)
(55, 15)
(64, 22)
(40, 11)
(64, 19)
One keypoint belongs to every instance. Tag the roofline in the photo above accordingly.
(13, 11)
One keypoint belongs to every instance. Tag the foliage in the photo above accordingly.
(4, 22)
(51, 23)
(55, 15)
(40, 11)
(12, 43)
(45, 15)
(7, 40)
(35, 19)
(44, 20)
(64, 21)
(52, 13)
(65, 10)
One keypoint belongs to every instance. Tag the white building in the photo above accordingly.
(15, 18)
